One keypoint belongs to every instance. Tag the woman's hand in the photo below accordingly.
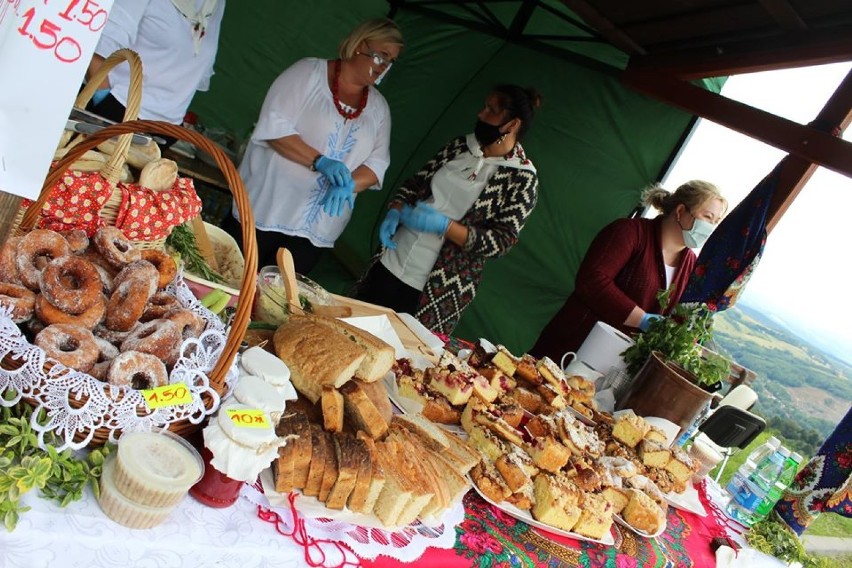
(335, 200)
(334, 171)
(425, 219)
(389, 226)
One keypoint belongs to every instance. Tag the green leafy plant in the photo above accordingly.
(679, 339)
(24, 466)
(182, 240)
(773, 537)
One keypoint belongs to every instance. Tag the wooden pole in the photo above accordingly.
(9, 206)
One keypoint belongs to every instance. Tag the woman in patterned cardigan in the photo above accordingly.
(469, 203)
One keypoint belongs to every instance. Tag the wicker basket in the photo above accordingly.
(240, 322)
(112, 170)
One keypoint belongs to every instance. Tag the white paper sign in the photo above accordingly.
(45, 48)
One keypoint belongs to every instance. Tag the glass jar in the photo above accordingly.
(215, 488)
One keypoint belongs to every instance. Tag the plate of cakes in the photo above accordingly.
(556, 519)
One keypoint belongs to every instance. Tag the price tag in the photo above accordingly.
(252, 418)
(167, 395)
(46, 47)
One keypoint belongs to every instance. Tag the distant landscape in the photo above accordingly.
(803, 390)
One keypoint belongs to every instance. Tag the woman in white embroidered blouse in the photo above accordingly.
(176, 40)
(322, 137)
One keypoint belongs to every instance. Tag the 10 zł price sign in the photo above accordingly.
(45, 48)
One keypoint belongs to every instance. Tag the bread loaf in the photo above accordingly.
(159, 175)
(316, 356)
(378, 356)
(137, 156)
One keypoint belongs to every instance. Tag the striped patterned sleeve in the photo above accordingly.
(499, 231)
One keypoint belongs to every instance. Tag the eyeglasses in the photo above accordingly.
(379, 60)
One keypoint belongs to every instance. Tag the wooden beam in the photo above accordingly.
(803, 141)
(795, 171)
(780, 52)
(604, 27)
(784, 14)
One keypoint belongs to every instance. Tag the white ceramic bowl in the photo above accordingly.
(225, 247)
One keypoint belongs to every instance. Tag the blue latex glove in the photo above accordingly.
(334, 171)
(99, 95)
(389, 227)
(336, 198)
(647, 319)
(425, 219)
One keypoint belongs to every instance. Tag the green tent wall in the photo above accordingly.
(595, 143)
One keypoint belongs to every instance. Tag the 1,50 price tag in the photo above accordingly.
(167, 395)
(248, 418)
(54, 27)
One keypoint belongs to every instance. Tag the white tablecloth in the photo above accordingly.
(193, 536)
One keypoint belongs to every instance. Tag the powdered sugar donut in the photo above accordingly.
(160, 338)
(19, 299)
(137, 370)
(71, 345)
(71, 283)
(115, 247)
(35, 250)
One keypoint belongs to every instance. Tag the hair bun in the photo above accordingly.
(534, 96)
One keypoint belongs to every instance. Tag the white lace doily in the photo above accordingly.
(107, 406)
(321, 537)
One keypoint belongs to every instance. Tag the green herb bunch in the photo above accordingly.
(773, 537)
(24, 466)
(182, 241)
(679, 338)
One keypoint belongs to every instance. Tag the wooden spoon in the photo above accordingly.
(288, 276)
(205, 247)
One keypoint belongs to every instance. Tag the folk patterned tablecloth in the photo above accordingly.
(489, 538)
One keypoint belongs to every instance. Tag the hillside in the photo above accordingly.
(803, 391)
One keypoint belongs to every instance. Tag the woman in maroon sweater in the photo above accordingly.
(630, 261)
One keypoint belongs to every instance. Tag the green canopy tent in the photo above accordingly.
(596, 142)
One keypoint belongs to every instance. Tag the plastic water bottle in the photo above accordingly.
(756, 487)
(693, 427)
(791, 468)
(747, 468)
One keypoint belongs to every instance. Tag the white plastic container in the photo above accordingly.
(156, 469)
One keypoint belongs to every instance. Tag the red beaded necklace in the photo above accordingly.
(338, 105)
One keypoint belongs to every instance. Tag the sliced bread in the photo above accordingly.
(316, 356)
(361, 412)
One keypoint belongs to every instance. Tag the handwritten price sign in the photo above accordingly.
(46, 29)
(167, 395)
(46, 48)
(248, 418)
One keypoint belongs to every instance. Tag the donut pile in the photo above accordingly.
(98, 307)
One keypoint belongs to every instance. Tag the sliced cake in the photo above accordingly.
(556, 502)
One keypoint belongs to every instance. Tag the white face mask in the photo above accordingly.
(698, 234)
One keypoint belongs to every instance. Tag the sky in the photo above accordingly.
(804, 276)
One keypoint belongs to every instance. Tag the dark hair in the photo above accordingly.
(519, 103)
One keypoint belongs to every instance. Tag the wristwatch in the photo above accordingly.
(314, 162)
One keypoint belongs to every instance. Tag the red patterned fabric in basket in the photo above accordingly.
(148, 215)
(74, 203)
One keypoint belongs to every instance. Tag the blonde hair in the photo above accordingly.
(382, 30)
(691, 194)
